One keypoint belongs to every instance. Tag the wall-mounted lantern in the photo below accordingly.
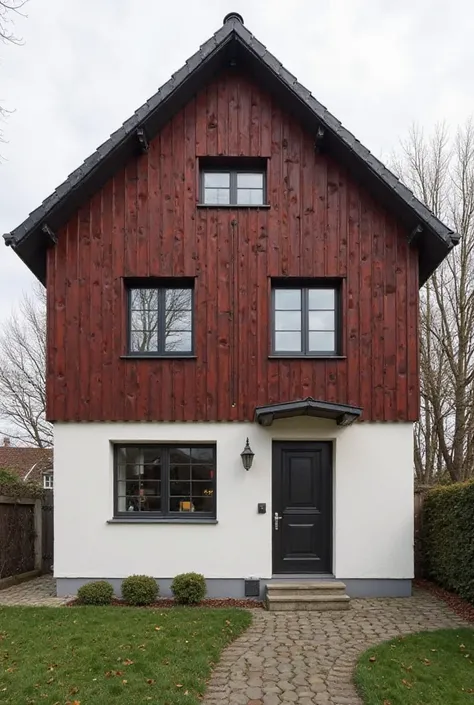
(247, 456)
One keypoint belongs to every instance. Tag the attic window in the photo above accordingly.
(237, 182)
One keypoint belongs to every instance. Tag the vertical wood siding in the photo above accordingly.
(144, 222)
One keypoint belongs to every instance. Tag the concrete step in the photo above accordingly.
(318, 595)
(326, 587)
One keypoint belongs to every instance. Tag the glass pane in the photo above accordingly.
(179, 342)
(202, 489)
(145, 319)
(180, 455)
(180, 488)
(203, 504)
(178, 321)
(205, 455)
(151, 487)
(217, 196)
(182, 504)
(321, 320)
(178, 299)
(321, 298)
(287, 320)
(144, 299)
(216, 179)
(181, 473)
(151, 455)
(144, 341)
(202, 472)
(250, 181)
(128, 454)
(321, 342)
(249, 197)
(288, 342)
(288, 299)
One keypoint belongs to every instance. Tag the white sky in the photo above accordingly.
(86, 66)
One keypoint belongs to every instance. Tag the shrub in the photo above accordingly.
(448, 537)
(12, 486)
(189, 588)
(139, 590)
(99, 592)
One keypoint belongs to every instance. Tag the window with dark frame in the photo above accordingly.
(305, 320)
(160, 319)
(167, 481)
(236, 186)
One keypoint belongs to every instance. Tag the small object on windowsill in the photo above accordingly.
(185, 506)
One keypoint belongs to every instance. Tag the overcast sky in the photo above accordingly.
(86, 65)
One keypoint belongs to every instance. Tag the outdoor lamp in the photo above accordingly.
(247, 456)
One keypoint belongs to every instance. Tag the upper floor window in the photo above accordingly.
(305, 320)
(160, 319)
(233, 182)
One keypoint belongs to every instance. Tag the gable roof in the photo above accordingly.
(232, 43)
(23, 460)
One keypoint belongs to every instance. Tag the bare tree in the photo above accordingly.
(23, 373)
(8, 9)
(440, 171)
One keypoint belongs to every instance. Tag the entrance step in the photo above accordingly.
(318, 596)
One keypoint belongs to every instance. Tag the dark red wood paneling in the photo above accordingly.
(145, 222)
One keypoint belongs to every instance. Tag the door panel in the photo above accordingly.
(302, 497)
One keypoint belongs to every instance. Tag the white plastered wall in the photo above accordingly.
(372, 502)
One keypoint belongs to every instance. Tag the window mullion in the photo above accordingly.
(165, 481)
(305, 321)
(233, 187)
(161, 328)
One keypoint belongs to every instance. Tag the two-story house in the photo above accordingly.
(233, 264)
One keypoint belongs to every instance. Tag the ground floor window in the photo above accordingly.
(165, 480)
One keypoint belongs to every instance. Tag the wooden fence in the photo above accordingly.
(48, 531)
(26, 537)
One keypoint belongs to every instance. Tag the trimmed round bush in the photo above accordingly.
(188, 588)
(99, 592)
(139, 590)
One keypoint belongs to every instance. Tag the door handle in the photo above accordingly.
(276, 520)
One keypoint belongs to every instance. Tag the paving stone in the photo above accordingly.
(39, 592)
(307, 658)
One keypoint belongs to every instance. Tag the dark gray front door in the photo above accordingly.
(302, 507)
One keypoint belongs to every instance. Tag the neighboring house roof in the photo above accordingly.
(231, 44)
(27, 463)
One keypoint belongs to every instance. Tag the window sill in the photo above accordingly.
(234, 206)
(133, 356)
(296, 356)
(158, 520)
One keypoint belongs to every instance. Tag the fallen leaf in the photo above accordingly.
(427, 662)
(124, 682)
(372, 659)
(127, 662)
(157, 629)
(433, 650)
(387, 702)
(178, 685)
(461, 646)
(150, 681)
(406, 683)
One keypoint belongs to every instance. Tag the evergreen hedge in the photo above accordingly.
(448, 537)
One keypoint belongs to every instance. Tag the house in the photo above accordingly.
(29, 464)
(233, 270)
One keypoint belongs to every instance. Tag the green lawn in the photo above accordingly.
(432, 668)
(105, 655)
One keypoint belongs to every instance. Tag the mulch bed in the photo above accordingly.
(169, 602)
(457, 604)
